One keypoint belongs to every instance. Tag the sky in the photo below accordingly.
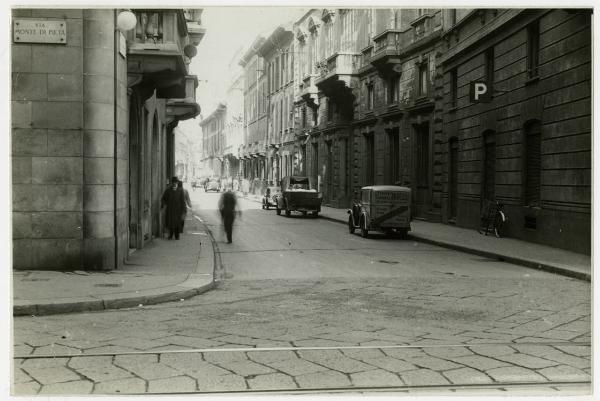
(229, 33)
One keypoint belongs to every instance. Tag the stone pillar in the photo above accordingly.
(99, 140)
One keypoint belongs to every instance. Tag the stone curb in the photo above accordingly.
(494, 255)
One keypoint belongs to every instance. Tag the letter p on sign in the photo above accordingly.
(480, 92)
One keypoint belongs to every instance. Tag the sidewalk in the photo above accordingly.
(162, 271)
(511, 250)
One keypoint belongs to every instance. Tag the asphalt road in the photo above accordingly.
(304, 305)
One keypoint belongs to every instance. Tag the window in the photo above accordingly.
(532, 163)
(489, 68)
(315, 116)
(394, 89)
(454, 88)
(533, 49)
(370, 96)
(303, 116)
(451, 17)
(315, 162)
(423, 78)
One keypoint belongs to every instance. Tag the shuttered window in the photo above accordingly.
(532, 163)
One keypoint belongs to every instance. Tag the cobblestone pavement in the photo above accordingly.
(390, 317)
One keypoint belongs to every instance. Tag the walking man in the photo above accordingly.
(227, 207)
(173, 199)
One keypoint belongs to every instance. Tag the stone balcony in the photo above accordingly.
(160, 48)
(336, 72)
(179, 109)
(309, 91)
(385, 54)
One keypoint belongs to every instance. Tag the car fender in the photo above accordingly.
(365, 215)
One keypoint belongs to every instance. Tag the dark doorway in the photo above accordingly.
(422, 194)
(135, 239)
(489, 167)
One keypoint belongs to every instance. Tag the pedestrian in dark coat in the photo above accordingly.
(173, 199)
(227, 207)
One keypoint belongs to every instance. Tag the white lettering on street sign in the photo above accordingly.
(480, 89)
(40, 31)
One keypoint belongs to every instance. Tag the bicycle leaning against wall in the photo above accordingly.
(493, 218)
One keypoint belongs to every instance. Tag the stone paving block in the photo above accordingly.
(375, 378)
(378, 343)
(296, 367)
(80, 344)
(565, 359)
(423, 377)
(150, 371)
(99, 374)
(479, 362)
(363, 353)
(38, 363)
(515, 374)
(55, 374)
(534, 349)
(448, 352)
(138, 343)
(199, 343)
(404, 353)
(135, 359)
(320, 354)
(433, 363)
(69, 388)
(317, 342)
(179, 384)
(19, 376)
(273, 381)
(327, 379)
(467, 376)
(224, 357)
(233, 339)
(246, 368)
(271, 356)
(123, 386)
(564, 373)
(28, 388)
(493, 350)
(576, 350)
(559, 334)
(85, 361)
(527, 361)
(391, 364)
(221, 383)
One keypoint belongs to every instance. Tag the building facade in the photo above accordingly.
(213, 141)
(92, 115)
(529, 145)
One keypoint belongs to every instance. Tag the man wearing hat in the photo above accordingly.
(174, 201)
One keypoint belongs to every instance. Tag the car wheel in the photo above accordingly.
(287, 212)
(304, 213)
(350, 225)
(315, 214)
(278, 211)
(363, 229)
(403, 233)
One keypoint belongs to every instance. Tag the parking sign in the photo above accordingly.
(480, 92)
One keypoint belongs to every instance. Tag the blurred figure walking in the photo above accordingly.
(188, 203)
(227, 208)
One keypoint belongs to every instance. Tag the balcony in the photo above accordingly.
(309, 91)
(385, 56)
(336, 72)
(161, 46)
(179, 109)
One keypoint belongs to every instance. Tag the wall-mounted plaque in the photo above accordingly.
(39, 31)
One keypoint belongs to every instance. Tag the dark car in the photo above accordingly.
(270, 198)
(212, 185)
(297, 195)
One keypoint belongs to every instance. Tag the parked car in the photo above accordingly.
(297, 195)
(212, 185)
(270, 197)
(384, 208)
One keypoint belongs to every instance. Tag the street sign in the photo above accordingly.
(480, 92)
(40, 31)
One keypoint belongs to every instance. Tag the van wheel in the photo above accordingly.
(278, 211)
(350, 225)
(363, 229)
(315, 214)
(287, 213)
(403, 233)
(304, 213)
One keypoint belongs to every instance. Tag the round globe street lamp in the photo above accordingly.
(126, 21)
